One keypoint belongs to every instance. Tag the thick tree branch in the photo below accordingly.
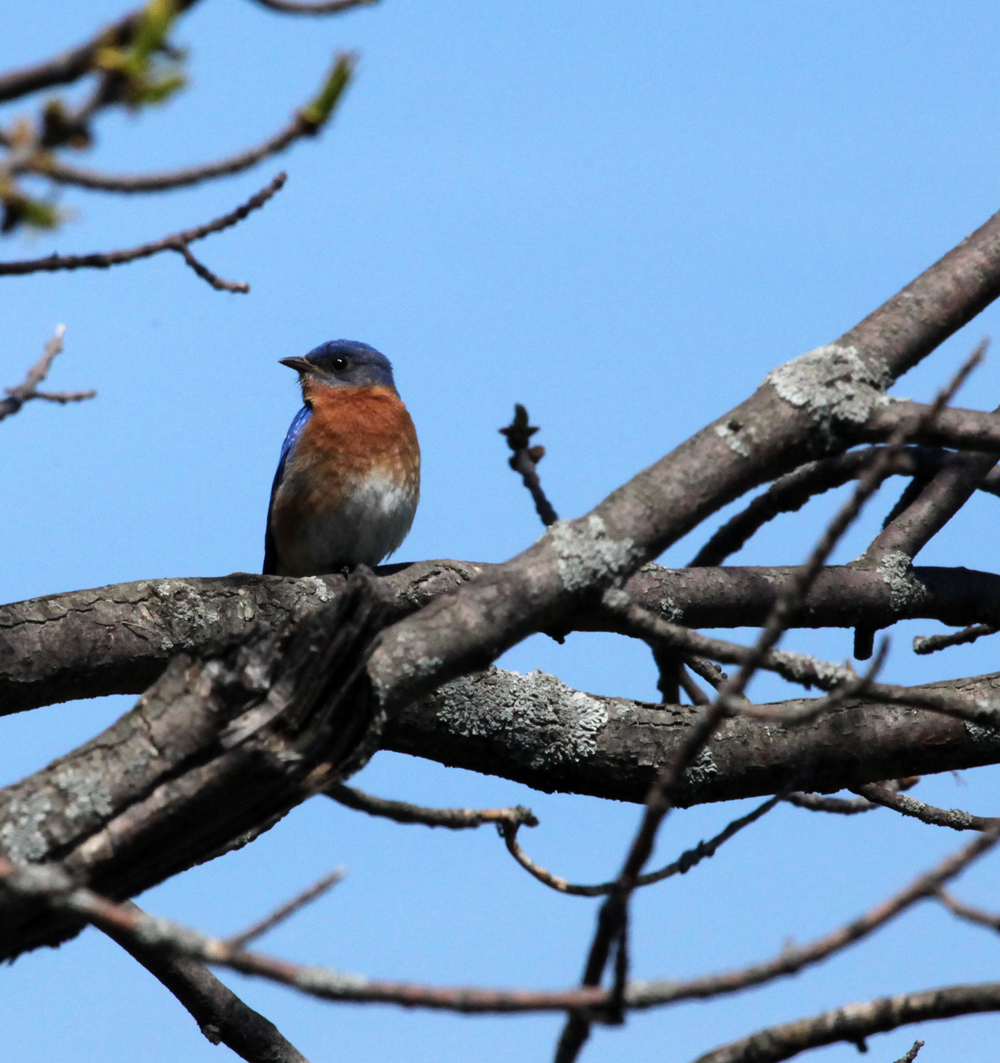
(804, 408)
(215, 749)
(118, 639)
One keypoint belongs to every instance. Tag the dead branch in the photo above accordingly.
(687, 860)
(906, 805)
(967, 912)
(852, 1023)
(319, 7)
(22, 393)
(451, 818)
(220, 1014)
(932, 643)
(175, 242)
(286, 910)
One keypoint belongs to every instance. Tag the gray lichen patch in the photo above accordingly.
(833, 383)
(587, 555)
(811, 671)
(736, 436)
(540, 721)
(895, 569)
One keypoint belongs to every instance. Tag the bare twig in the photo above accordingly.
(611, 926)
(840, 806)
(680, 866)
(22, 393)
(452, 818)
(854, 1022)
(306, 123)
(924, 644)
(320, 7)
(221, 1016)
(175, 242)
(286, 910)
(525, 460)
(934, 503)
(967, 912)
(954, 818)
(911, 1055)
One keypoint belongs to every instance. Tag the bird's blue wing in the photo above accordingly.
(294, 431)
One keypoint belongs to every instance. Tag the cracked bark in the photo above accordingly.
(118, 639)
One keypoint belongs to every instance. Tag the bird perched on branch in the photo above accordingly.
(348, 480)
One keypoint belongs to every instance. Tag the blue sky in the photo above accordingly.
(621, 216)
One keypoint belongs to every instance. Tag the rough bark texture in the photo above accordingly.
(118, 639)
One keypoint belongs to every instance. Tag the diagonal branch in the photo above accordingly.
(852, 1023)
(76, 62)
(307, 122)
(18, 396)
(220, 1014)
(175, 242)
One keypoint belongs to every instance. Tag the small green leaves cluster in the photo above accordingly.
(146, 70)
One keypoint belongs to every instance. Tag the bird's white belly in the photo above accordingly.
(370, 524)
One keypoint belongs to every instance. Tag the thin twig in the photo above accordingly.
(321, 7)
(924, 644)
(451, 818)
(220, 1014)
(910, 1056)
(967, 912)
(611, 920)
(840, 806)
(306, 123)
(525, 461)
(22, 393)
(175, 242)
(285, 911)
(954, 818)
(680, 866)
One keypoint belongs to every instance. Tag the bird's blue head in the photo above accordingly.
(344, 364)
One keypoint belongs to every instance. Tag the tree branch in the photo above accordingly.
(307, 122)
(18, 396)
(75, 63)
(854, 1022)
(220, 1014)
(175, 242)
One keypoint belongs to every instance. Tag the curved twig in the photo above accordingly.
(924, 644)
(681, 866)
(321, 7)
(175, 242)
(306, 123)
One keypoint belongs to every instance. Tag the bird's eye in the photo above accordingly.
(339, 363)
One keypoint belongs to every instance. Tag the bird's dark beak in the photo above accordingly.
(300, 365)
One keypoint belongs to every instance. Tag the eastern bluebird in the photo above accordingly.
(348, 480)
